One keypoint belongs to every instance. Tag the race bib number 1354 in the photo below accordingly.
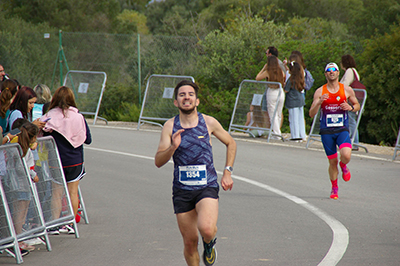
(193, 175)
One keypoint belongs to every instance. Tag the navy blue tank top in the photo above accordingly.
(193, 160)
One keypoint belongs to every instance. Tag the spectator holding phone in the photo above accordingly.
(42, 102)
(22, 106)
(8, 137)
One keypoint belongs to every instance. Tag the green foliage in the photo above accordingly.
(221, 13)
(24, 50)
(309, 29)
(237, 35)
(138, 5)
(380, 72)
(68, 15)
(127, 112)
(176, 17)
(131, 21)
(339, 11)
(237, 53)
(168, 55)
(231, 56)
(218, 104)
(119, 103)
(374, 17)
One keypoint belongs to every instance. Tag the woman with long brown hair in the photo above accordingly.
(70, 131)
(21, 107)
(348, 64)
(272, 72)
(295, 101)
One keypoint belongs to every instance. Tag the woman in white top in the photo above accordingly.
(273, 72)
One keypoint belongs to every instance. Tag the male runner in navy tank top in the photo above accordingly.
(187, 138)
(334, 126)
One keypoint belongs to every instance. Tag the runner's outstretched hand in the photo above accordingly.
(176, 139)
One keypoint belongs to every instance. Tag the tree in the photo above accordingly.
(380, 72)
(374, 17)
(68, 15)
(310, 29)
(227, 57)
(24, 52)
(138, 5)
(221, 13)
(160, 15)
(131, 21)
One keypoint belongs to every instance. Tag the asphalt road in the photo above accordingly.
(278, 213)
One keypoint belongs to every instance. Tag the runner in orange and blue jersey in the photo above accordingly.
(333, 99)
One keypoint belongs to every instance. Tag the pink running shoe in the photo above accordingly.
(345, 172)
(334, 193)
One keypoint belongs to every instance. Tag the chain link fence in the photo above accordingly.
(36, 58)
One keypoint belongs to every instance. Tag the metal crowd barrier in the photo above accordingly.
(52, 187)
(158, 101)
(8, 237)
(28, 210)
(24, 216)
(253, 93)
(397, 147)
(89, 87)
(314, 135)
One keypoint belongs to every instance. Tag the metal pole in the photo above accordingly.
(139, 74)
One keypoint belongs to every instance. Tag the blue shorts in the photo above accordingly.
(331, 141)
(186, 200)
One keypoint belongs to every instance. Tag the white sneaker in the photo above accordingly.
(67, 229)
(35, 241)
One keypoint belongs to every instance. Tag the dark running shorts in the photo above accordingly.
(74, 173)
(186, 200)
(331, 141)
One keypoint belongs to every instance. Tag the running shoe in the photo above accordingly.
(345, 172)
(334, 193)
(24, 252)
(53, 231)
(25, 246)
(67, 229)
(210, 253)
(11, 252)
(35, 241)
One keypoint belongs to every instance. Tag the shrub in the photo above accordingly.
(380, 72)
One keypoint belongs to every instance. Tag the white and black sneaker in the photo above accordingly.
(53, 231)
(67, 229)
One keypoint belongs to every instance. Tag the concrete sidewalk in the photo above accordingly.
(385, 152)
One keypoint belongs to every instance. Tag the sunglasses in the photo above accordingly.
(331, 69)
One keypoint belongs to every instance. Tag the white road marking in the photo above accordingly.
(365, 156)
(340, 240)
(340, 234)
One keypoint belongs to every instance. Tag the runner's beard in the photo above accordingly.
(187, 111)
